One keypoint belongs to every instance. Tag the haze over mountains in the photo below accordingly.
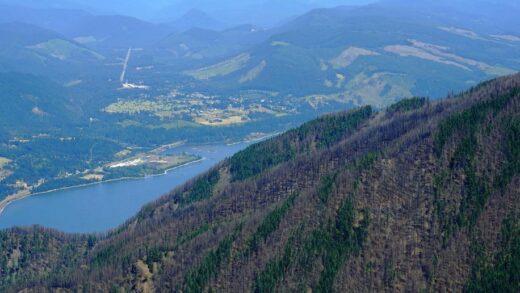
(272, 12)
(258, 12)
(390, 30)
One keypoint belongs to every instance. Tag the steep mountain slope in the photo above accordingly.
(373, 54)
(422, 196)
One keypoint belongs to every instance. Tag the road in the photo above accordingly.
(125, 65)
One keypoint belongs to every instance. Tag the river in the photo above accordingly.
(104, 206)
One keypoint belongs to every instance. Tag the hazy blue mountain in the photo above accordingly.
(484, 15)
(198, 43)
(197, 19)
(259, 12)
(373, 54)
(114, 32)
(270, 12)
(31, 49)
(103, 32)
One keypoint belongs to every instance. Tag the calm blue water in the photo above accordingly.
(101, 207)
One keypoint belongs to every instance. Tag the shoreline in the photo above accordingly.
(12, 198)
(25, 193)
(254, 140)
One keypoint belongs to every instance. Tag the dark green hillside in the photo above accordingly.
(114, 33)
(34, 50)
(423, 197)
(34, 102)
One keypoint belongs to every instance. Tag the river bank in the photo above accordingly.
(12, 198)
(100, 207)
(27, 193)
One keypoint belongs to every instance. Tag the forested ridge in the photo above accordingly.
(421, 197)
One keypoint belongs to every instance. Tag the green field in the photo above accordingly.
(221, 69)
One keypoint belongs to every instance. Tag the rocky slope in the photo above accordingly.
(420, 197)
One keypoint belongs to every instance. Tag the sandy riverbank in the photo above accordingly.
(12, 198)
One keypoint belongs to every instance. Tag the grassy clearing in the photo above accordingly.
(350, 55)
(441, 54)
(224, 121)
(379, 89)
(279, 44)
(409, 51)
(220, 69)
(73, 83)
(137, 107)
(174, 125)
(63, 50)
(4, 162)
(253, 73)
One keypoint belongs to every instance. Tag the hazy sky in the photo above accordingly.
(262, 12)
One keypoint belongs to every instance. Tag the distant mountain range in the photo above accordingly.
(198, 44)
(373, 54)
(489, 16)
(106, 32)
(272, 12)
(420, 197)
(30, 49)
(257, 12)
(197, 19)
